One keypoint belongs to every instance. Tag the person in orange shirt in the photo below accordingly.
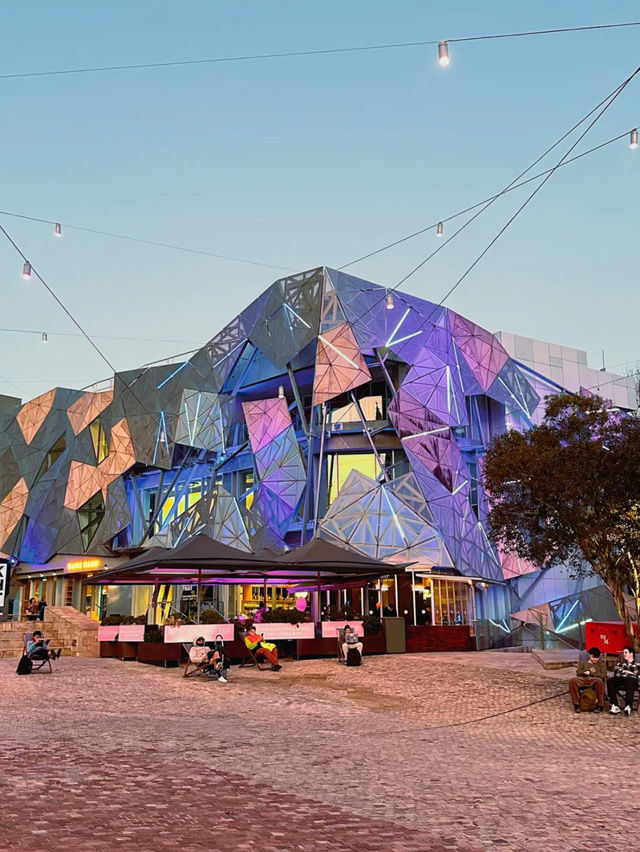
(255, 642)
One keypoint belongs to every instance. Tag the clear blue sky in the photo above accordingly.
(305, 161)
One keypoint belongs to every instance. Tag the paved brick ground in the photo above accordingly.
(106, 755)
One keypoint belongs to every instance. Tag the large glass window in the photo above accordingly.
(54, 453)
(340, 465)
(90, 516)
(99, 440)
(451, 602)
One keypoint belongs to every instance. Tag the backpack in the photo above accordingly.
(25, 665)
(587, 700)
(353, 657)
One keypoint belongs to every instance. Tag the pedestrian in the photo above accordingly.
(41, 608)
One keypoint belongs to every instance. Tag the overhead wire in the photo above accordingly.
(61, 304)
(612, 98)
(491, 198)
(97, 336)
(157, 243)
(606, 101)
(316, 52)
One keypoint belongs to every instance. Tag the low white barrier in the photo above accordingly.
(190, 632)
(329, 628)
(108, 633)
(131, 633)
(306, 630)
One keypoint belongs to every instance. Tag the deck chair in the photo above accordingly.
(191, 669)
(37, 664)
(340, 640)
(249, 657)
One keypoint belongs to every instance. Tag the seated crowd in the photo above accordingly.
(592, 674)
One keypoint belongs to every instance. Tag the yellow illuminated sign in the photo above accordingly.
(84, 565)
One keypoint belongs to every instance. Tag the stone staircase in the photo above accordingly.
(67, 628)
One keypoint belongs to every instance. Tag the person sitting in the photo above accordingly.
(41, 608)
(256, 644)
(625, 675)
(207, 660)
(351, 640)
(592, 673)
(38, 648)
(31, 610)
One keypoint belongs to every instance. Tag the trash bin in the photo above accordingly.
(394, 629)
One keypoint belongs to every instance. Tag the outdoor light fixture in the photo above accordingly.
(443, 54)
(281, 392)
(45, 338)
(58, 230)
(440, 229)
(26, 270)
(389, 300)
(633, 138)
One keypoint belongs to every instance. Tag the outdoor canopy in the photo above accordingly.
(202, 559)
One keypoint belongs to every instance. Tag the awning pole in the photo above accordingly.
(319, 613)
(264, 592)
(198, 602)
(413, 598)
(395, 586)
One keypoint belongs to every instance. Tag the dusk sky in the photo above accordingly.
(302, 161)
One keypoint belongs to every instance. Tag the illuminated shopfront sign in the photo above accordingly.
(83, 565)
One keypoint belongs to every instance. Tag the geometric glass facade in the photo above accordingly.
(318, 410)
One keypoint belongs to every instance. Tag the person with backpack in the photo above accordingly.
(352, 646)
(590, 673)
(625, 675)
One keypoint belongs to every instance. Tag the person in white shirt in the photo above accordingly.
(207, 660)
(351, 640)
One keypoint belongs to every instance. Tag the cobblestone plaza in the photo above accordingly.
(420, 752)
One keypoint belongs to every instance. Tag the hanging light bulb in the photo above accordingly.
(45, 338)
(58, 229)
(633, 138)
(26, 270)
(389, 300)
(443, 54)
(281, 392)
(440, 229)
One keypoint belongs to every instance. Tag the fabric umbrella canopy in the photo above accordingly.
(322, 554)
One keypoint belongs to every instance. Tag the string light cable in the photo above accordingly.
(603, 105)
(318, 52)
(28, 266)
(615, 94)
(96, 336)
(158, 243)
(477, 204)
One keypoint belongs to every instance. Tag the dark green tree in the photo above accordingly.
(568, 492)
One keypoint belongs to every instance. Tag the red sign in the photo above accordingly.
(609, 636)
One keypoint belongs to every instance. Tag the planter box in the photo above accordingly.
(159, 654)
(329, 647)
(126, 650)
(109, 649)
(436, 638)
